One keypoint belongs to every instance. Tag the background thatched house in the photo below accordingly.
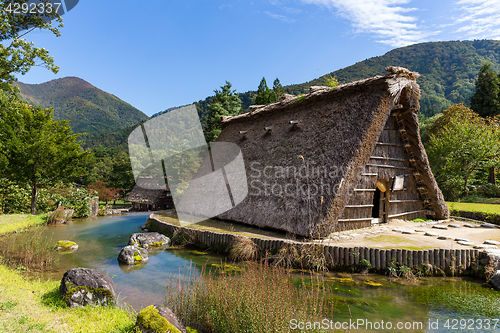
(336, 158)
(144, 199)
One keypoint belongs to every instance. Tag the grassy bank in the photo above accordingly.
(34, 305)
(15, 222)
(474, 207)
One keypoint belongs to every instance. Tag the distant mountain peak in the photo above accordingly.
(88, 108)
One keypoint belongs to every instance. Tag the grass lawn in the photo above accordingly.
(475, 207)
(13, 222)
(119, 203)
(33, 305)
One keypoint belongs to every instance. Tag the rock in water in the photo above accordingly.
(157, 318)
(66, 245)
(149, 240)
(84, 286)
(132, 254)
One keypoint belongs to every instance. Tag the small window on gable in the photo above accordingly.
(399, 182)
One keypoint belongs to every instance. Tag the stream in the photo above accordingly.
(441, 304)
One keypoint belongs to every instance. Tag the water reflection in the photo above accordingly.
(427, 300)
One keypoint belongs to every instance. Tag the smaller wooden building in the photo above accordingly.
(144, 199)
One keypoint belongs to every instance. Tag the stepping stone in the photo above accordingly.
(397, 230)
(491, 242)
(344, 237)
(419, 230)
(445, 237)
(409, 232)
(430, 233)
(462, 240)
(354, 235)
(469, 225)
(453, 225)
(485, 246)
(465, 243)
(488, 225)
(335, 238)
(441, 227)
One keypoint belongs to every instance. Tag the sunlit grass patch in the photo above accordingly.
(12, 222)
(474, 207)
(33, 305)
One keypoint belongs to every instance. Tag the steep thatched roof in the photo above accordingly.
(330, 128)
(141, 194)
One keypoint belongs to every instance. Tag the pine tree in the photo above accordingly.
(485, 101)
(225, 103)
(264, 94)
(278, 89)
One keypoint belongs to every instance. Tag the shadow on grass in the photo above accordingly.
(53, 300)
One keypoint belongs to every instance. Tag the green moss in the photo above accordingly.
(150, 318)
(372, 283)
(157, 244)
(471, 298)
(299, 99)
(137, 258)
(225, 268)
(192, 330)
(65, 244)
(198, 253)
(101, 292)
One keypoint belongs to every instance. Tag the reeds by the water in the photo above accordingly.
(261, 298)
(27, 250)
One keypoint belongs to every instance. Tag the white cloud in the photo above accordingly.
(480, 18)
(386, 19)
(282, 18)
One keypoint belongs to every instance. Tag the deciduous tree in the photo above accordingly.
(105, 193)
(460, 144)
(40, 150)
(17, 55)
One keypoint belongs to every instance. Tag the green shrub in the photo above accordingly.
(363, 266)
(489, 191)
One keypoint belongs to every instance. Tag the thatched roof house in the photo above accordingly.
(144, 199)
(336, 158)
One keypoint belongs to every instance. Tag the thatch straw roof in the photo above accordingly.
(332, 128)
(142, 194)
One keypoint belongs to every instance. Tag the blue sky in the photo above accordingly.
(159, 54)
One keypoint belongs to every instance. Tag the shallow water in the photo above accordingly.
(101, 239)
(437, 301)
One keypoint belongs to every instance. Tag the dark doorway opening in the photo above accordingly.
(376, 204)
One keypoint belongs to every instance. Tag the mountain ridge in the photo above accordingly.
(88, 108)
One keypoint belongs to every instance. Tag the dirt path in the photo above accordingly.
(393, 235)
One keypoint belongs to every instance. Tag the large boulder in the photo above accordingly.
(84, 286)
(148, 240)
(158, 318)
(132, 254)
